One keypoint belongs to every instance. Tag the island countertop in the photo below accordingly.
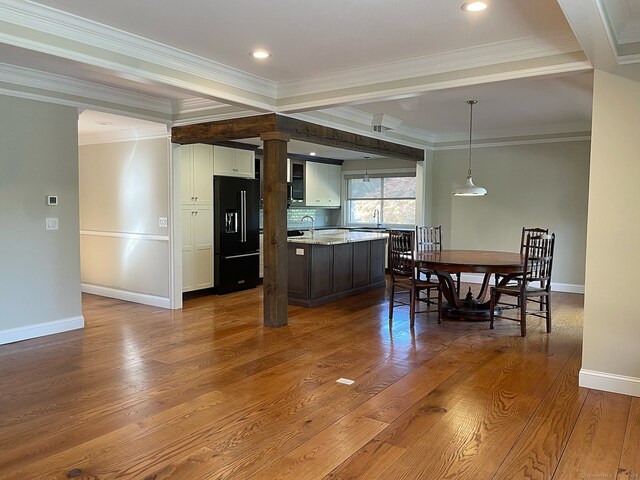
(336, 238)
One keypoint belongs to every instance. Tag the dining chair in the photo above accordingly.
(534, 283)
(405, 278)
(430, 239)
(523, 240)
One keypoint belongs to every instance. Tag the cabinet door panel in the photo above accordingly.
(313, 185)
(202, 226)
(223, 161)
(186, 159)
(187, 275)
(333, 184)
(203, 267)
(298, 275)
(322, 270)
(377, 261)
(245, 164)
(202, 173)
(360, 264)
(342, 267)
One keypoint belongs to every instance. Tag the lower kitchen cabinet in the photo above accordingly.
(197, 247)
(320, 274)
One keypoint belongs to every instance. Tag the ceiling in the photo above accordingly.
(407, 65)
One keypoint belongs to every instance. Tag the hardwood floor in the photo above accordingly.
(208, 393)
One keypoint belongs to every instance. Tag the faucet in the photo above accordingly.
(376, 215)
(309, 217)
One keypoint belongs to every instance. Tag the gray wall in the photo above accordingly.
(531, 185)
(40, 274)
(124, 189)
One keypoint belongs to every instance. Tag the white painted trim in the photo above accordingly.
(41, 329)
(509, 143)
(609, 382)
(175, 230)
(26, 77)
(555, 286)
(136, 236)
(103, 37)
(130, 134)
(127, 296)
(478, 56)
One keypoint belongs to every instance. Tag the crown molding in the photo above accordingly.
(479, 56)
(87, 33)
(161, 131)
(25, 77)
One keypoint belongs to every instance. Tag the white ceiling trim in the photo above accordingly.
(382, 92)
(510, 143)
(479, 56)
(161, 131)
(26, 14)
(25, 77)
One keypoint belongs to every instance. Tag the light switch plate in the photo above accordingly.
(51, 223)
(163, 222)
(299, 251)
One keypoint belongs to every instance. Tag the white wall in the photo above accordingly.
(124, 190)
(611, 352)
(40, 273)
(534, 185)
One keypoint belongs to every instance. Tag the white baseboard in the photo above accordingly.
(153, 300)
(40, 329)
(609, 382)
(556, 287)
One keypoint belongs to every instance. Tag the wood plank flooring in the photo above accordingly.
(208, 393)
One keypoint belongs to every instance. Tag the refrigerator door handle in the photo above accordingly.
(243, 206)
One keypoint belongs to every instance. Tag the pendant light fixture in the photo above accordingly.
(366, 178)
(469, 189)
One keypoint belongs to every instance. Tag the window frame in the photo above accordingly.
(379, 174)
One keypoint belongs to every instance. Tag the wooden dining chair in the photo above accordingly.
(405, 279)
(523, 240)
(430, 239)
(534, 283)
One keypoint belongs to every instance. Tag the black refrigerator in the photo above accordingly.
(236, 233)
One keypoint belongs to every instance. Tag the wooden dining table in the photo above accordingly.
(445, 262)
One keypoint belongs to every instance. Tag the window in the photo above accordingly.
(394, 196)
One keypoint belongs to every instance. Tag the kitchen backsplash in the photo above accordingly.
(324, 217)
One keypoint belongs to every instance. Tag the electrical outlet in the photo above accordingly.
(163, 222)
(299, 251)
(51, 223)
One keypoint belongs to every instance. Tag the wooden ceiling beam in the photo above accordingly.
(223, 130)
(252, 127)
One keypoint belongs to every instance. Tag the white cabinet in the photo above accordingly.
(233, 162)
(196, 172)
(196, 193)
(261, 256)
(323, 185)
(197, 247)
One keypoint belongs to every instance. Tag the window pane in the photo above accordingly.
(360, 189)
(399, 212)
(395, 187)
(361, 211)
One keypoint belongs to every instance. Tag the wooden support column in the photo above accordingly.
(276, 272)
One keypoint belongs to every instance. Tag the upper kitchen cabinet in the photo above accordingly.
(196, 171)
(233, 162)
(323, 185)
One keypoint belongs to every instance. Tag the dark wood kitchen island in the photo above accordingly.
(329, 266)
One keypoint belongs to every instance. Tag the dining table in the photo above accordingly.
(445, 262)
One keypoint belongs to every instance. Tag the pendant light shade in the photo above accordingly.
(469, 189)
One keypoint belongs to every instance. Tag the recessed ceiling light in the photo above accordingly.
(474, 6)
(260, 54)
(313, 154)
(104, 124)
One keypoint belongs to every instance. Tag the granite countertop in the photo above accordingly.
(335, 238)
